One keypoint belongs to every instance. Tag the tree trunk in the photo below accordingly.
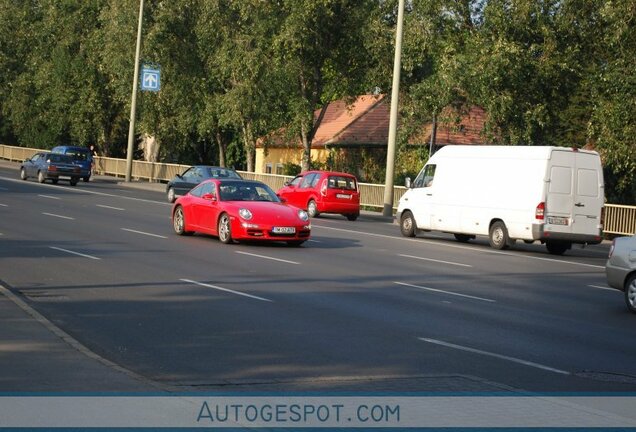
(249, 145)
(305, 160)
(222, 148)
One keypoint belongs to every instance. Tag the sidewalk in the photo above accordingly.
(36, 356)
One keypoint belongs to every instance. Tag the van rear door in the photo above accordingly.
(588, 194)
(575, 193)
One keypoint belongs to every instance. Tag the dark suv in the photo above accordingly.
(82, 157)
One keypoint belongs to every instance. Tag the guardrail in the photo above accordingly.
(618, 219)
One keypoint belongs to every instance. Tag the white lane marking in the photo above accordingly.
(144, 233)
(109, 207)
(75, 253)
(420, 241)
(499, 356)
(85, 191)
(267, 257)
(445, 292)
(434, 260)
(50, 197)
(58, 216)
(4, 189)
(226, 290)
(603, 288)
(4, 205)
(314, 241)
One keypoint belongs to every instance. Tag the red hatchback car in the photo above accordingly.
(239, 210)
(323, 192)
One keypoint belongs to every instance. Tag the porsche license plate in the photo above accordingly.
(284, 230)
(553, 220)
(343, 196)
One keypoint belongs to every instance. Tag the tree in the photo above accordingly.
(320, 45)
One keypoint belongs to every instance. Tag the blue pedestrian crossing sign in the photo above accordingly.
(151, 78)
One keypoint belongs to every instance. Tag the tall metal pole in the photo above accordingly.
(390, 155)
(133, 99)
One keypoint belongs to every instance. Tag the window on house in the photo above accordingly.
(268, 168)
(279, 169)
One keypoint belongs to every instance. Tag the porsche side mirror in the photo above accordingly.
(209, 197)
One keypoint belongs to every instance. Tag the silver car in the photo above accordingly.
(621, 268)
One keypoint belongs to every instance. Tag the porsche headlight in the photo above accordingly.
(245, 214)
(302, 214)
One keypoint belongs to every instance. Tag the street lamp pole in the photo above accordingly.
(133, 100)
(395, 91)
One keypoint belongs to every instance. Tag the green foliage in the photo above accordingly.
(291, 169)
(557, 72)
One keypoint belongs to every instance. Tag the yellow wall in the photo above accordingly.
(284, 155)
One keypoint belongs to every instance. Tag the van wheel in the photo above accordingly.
(463, 238)
(352, 216)
(498, 236)
(630, 293)
(74, 181)
(23, 174)
(41, 177)
(407, 224)
(54, 181)
(557, 247)
(312, 209)
(86, 179)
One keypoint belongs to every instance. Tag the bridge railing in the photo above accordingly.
(618, 219)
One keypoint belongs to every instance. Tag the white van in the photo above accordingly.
(554, 195)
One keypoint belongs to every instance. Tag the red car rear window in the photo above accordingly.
(341, 182)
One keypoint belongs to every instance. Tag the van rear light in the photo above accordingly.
(323, 188)
(539, 213)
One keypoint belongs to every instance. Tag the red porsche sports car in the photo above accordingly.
(239, 210)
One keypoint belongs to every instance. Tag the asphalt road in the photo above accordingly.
(357, 307)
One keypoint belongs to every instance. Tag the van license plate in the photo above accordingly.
(343, 196)
(284, 230)
(557, 220)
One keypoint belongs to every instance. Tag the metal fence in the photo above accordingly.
(618, 219)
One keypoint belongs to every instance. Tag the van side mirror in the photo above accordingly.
(407, 182)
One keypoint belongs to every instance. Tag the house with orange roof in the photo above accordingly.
(362, 126)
